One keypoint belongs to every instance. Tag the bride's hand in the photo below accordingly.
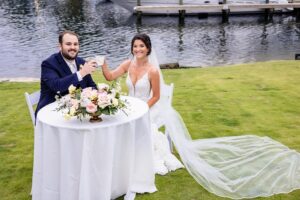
(104, 64)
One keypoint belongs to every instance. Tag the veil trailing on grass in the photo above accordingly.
(236, 167)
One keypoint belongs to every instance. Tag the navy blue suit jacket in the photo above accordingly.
(56, 76)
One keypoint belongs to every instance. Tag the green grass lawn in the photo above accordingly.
(259, 98)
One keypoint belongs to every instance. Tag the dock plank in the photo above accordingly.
(200, 8)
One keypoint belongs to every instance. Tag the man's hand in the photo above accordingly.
(88, 68)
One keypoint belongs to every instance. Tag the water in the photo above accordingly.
(29, 31)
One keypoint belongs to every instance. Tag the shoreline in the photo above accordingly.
(19, 79)
(32, 79)
(166, 66)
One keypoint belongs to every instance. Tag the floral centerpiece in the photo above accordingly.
(91, 102)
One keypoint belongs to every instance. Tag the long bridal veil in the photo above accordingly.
(236, 167)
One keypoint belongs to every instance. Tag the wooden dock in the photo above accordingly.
(224, 9)
(216, 7)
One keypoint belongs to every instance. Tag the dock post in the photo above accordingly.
(268, 12)
(272, 10)
(138, 13)
(139, 17)
(225, 13)
(297, 14)
(181, 16)
(181, 13)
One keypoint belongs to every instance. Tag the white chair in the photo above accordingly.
(31, 100)
(167, 90)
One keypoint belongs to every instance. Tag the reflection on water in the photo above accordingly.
(29, 31)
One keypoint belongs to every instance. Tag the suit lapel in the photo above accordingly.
(63, 64)
(77, 63)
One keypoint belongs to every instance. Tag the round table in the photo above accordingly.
(76, 159)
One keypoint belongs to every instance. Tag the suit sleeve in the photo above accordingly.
(90, 82)
(52, 78)
(88, 78)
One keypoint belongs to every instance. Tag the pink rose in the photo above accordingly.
(91, 108)
(86, 93)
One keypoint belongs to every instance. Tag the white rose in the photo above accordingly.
(72, 111)
(115, 102)
(103, 87)
(113, 93)
(84, 102)
(86, 92)
(94, 95)
(72, 89)
(75, 103)
(104, 100)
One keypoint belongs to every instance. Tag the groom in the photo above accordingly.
(64, 68)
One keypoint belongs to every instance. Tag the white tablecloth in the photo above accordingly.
(92, 161)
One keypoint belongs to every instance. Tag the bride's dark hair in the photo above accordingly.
(145, 38)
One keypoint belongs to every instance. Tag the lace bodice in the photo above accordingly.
(141, 89)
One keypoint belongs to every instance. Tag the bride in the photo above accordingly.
(143, 82)
(235, 167)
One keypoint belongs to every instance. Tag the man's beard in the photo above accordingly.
(69, 57)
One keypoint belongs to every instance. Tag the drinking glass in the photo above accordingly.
(99, 59)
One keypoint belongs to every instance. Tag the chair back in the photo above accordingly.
(31, 100)
(166, 95)
(167, 90)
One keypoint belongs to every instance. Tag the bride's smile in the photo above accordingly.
(139, 49)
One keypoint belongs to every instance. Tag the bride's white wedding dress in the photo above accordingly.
(237, 167)
(164, 160)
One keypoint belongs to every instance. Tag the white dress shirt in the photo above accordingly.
(73, 67)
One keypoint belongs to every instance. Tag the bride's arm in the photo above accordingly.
(155, 86)
(114, 74)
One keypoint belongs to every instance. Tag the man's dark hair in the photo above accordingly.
(146, 40)
(61, 35)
